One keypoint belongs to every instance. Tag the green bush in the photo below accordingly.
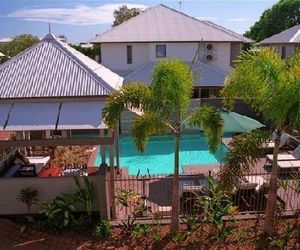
(142, 230)
(102, 230)
(85, 194)
(59, 213)
(79, 224)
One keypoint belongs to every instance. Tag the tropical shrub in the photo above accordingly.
(102, 230)
(85, 194)
(59, 214)
(142, 230)
(132, 200)
(216, 204)
(28, 196)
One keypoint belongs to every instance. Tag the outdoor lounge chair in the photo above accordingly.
(295, 155)
(255, 179)
(289, 164)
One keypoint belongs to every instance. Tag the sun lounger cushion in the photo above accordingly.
(282, 157)
(289, 164)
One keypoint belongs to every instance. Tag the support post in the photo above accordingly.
(102, 150)
(117, 146)
(112, 182)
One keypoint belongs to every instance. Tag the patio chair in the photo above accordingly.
(248, 194)
(255, 179)
(188, 195)
(295, 155)
(289, 164)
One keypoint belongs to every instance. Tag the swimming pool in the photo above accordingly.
(159, 155)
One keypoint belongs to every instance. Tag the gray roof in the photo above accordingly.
(52, 68)
(30, 116)
(291, 35)
(163, 24)
(204, 75)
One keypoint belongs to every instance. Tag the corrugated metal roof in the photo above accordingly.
(163, 24)
(81, 115)
(291, 35)
(52, 68)
(204, 75)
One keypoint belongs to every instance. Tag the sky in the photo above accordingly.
(80, 20)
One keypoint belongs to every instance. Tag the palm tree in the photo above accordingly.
(163, 108)
(271, 87)
(245, 150)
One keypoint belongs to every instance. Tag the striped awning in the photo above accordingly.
(51, 116)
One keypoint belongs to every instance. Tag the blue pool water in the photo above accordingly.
(159, 155)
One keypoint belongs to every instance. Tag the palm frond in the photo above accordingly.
(256, 80)
(243, 155)
(145, 125)
(210, 120)
(130, 96)
(172, 83)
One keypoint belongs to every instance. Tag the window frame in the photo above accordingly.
(129, 56)
(157, 53)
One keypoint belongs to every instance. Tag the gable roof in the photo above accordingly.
(204, 75)
(163, 24)
(291, 35)
(52, 68)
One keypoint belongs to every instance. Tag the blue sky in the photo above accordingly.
(80, 20)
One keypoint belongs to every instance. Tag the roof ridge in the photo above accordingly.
(212, 67)
(266, 40)
(217, 26)
(295, 35)
(138, 69)
(65, 49)
(122, 24)
(17, 56)
(211, 24)
(208, 23)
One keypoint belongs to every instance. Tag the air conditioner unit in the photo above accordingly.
(209, 47)
(209, 57)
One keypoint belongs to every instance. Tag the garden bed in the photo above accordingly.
(241, 235)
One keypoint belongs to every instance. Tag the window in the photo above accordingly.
(129, 54)
(283, 52)
(161, 50)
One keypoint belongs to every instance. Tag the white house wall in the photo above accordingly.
(114, 55)
(221, 56)
(183, 51)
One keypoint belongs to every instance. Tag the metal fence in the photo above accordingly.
(154, 193)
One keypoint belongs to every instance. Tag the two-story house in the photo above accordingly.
(286, 43)
(132, 48)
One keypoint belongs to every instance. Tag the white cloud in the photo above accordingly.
(208, 18)
(242, 19)
(79, 15)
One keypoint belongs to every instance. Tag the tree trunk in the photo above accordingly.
(272, 194)
(175, 188)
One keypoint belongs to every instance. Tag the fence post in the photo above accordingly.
(102, 196)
